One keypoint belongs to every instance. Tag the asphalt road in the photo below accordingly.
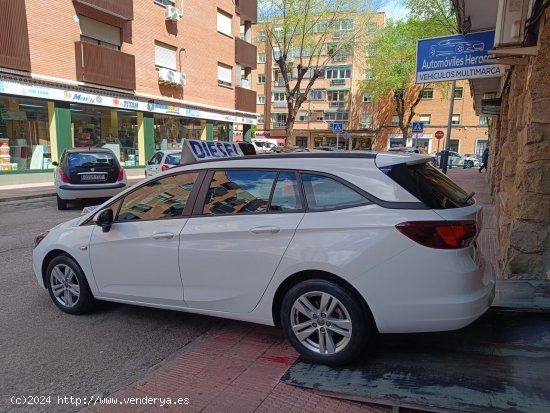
(44, 351)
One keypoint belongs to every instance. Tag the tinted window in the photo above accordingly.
(236, 192)
(162, 198)
(429, 185)
(91, 159)
(173, 159)
(286, 196)
(326, 193)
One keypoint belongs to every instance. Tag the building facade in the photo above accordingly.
(519, 149)
(337, 97)
(131, 75)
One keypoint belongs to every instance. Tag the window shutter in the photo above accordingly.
(99, 31)
(224, 23)
(165, 56)
(224, 73)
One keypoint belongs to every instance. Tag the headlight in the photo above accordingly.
(38, 239)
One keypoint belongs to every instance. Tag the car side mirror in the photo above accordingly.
(104, 219)
(55, 163)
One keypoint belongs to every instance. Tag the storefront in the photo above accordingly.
(171, 130)
(24, 134)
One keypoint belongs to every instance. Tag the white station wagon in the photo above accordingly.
(331, 246)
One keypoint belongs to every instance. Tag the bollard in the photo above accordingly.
(450, 164)
(464, 165)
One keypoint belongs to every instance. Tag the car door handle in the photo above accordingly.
(163, 235)
(265, 230)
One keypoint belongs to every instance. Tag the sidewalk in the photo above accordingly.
(238, 369)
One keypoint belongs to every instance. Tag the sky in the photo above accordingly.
(394, 9)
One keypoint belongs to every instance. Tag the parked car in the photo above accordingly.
(471, 160)
(288, 149)
(87, 173)
(454, 157)
(334, 247)
(263, 146)
(162, 161)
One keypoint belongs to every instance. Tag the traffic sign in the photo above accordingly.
(439, 134)
(418, 127)
(346, 136)
(337, 127)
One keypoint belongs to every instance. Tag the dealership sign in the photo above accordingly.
(442, 59)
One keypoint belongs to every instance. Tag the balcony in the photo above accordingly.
(337, 103)
(123, 9)
(245, 99)
(279, 104)
(247, 9)
(97, 64)
(337, 81)
(14, 36)
(245, 54)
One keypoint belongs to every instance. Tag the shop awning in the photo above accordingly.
(335, 110)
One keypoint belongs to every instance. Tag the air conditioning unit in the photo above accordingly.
(172, 14)
(181, 78)
(167, 75)
(511, 18)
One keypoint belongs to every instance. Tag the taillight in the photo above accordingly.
(164, 167)
(62, 175)
(120, 174)
(440, 234)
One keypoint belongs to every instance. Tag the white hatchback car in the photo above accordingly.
(332, 246)
(162, 161)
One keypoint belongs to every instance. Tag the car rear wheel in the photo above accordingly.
(61, 204)
(68, 287)
(325, 322)
(469, 164)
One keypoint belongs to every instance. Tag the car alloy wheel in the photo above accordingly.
(321, 322)
(326, 322)
(65, 286)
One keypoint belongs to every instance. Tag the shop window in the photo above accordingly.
(428, 93)
(426, 119)
(224, 75)
(238, 192)
(224, 23)
(455, 120)
(171, 130)
(93, 31)
(301, 141)
(24, 134)
(159, 199)
(165, 56)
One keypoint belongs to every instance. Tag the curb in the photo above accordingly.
(24, 197)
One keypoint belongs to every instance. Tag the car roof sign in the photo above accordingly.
(198, 150)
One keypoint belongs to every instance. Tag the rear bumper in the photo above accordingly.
(69, 191)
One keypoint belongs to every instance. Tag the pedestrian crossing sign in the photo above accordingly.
(418, 127)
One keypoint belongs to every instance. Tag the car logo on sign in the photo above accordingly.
(92, 169)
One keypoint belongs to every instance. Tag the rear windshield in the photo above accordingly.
(91, 159)
(427, 183)
(173, 159)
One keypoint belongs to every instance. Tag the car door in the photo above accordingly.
(233, 243)
(137, 259)
(153, 166)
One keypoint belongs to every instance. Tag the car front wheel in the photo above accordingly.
(68, 287)
(325, 322)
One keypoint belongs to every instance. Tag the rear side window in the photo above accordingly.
(237, 192)
(91, 159)
(433, 188)
(286, 195)
(324, 193)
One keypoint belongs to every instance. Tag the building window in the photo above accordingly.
(395, 120)
(261, 57)
(301, 141)
(459, 92)
(336, 116)
(367, 75)
(261, 119)
(261, 99)
(303, 116)
(165, 56)
(454, 145)
(428, 93)
(224, 23)
(261, 78)
(166, 2)
(366, 120)
(338, 73)
(278, 120)
(370, 51)
(426, 119)
(367, 97)
(337, 97)
(95, 32)
(455, 120)
(372, 28)
(224, 75)
(484, 120)
(262, 37)
(278, 97)
(317, 95)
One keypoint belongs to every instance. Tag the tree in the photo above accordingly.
(393, 58)
(304, 35)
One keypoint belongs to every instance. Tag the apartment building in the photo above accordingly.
(132, 75)
(337, 97)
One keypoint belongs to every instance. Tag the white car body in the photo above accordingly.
(264, 145)
(154, 166)
(233, 265)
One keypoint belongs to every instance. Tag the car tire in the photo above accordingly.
(68, 287)
(469, 164)
(61, 204)
(334, 336)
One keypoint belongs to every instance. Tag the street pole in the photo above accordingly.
(337, 136)
(445, 155)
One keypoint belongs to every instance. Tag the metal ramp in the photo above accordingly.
(500, 363)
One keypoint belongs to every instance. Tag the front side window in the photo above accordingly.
(156, 159)
(323, 193)
(286, 196)
(238, 192)
(159, 199)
